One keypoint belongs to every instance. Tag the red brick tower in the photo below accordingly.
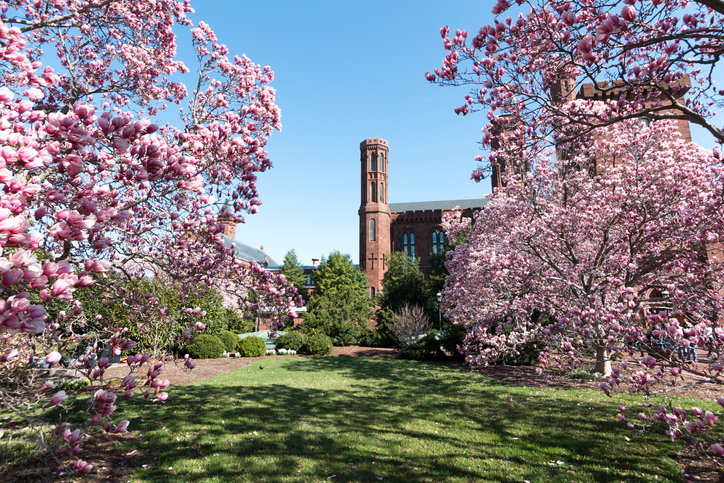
(374, 212)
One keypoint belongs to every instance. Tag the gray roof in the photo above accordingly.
(245, 252)
(438, 205)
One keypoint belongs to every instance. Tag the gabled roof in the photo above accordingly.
(438, 205)
(245, 252)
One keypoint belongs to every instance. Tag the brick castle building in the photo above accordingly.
(415, 228)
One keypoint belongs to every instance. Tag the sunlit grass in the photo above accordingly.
(358, 419)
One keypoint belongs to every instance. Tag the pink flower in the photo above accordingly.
(6, 94)
(628, 13)
(717, 448)
(34, 94)
(58, 398)
(53, 357)
(122, 427)
(82, 467)
(8, 355)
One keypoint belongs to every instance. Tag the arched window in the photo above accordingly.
(373, 193)
(382, 192)
(373, 162)
(373, 235)
(408, 244)
(382, 162)
(438, 239)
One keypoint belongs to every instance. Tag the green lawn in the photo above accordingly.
(358, 419)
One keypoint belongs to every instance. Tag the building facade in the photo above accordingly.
(414, 228)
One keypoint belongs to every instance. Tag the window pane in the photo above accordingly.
(372, 230)
(373, 162)
(382, 192)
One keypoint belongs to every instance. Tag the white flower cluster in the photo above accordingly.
(281, 352)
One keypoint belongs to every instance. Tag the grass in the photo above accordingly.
(357, 419)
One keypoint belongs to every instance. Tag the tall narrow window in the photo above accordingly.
(408, 244)
(373, 162)
(373, 193)
(382, 192)
(382, 162)
(372, 292)
(438, 239)
(373, 235)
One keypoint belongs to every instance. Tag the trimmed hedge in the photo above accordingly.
(229, 339)
(318, 345)
(206, 347)
(251, 346)
(290, 340)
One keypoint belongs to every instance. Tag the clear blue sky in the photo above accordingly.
(347, 71)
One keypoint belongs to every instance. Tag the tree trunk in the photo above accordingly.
(603, 361)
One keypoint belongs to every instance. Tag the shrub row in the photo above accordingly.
(209, 346)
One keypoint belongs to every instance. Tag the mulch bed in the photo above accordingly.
(113, 465)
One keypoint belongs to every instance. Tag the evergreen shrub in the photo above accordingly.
(290, 340)
(229, 339)
(206, 347)
(318, 345)
(426, 349)
(251, 346)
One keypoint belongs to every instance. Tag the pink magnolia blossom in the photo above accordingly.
(58, 398)
(108, 188)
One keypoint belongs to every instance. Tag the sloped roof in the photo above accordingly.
(245, 252)
(438, 205)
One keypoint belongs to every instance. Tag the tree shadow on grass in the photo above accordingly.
(416, 422)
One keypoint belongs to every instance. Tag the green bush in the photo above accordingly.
(237, 323)
(251, 347)
(454, 336)
(426, 349)
(206, 347)
(582, 374)
(229, 339)
(290, 340)
(318, 345)
(527, 355)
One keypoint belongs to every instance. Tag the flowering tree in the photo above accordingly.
(642, 54)
(92, 184)
(613, 258)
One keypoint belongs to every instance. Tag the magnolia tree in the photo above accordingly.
(586, 257)
(92, 184)
(640, 53)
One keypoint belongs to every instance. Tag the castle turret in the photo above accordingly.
(374, 211)
(226, 216)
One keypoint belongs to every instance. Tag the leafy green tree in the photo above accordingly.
(405, 284)
(293, 270)
(336, 272)
(341, 314)
(340, 307)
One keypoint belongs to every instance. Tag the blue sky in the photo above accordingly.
(347, 71)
